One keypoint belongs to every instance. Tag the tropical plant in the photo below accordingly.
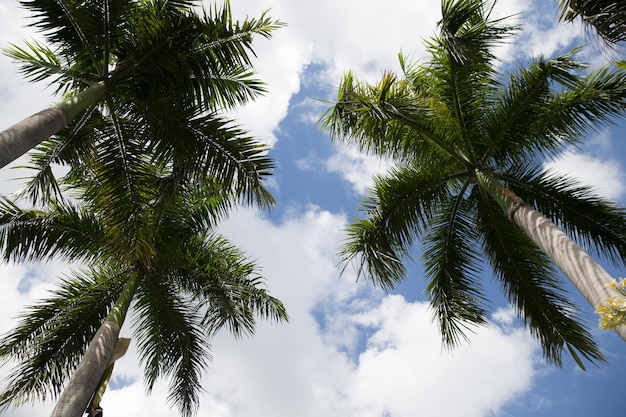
(144, 57)
(147, 238)
(607, 18)
(468, 145)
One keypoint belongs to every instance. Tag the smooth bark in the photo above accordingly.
(18, 139)
(83, 384)
(30, 132)
(585, 273)
(78, 392)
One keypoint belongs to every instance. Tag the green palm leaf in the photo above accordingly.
(606, 17)
(171, 342)
(65, 231)
(452, 264)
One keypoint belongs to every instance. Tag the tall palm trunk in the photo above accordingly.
(82, 385)
(587, 275)
(30, 132)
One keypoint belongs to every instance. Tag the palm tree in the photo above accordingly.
(608, 18)
(118, 57)
(147, 238)
(468, 181)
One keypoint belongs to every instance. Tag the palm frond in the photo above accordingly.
(462, 64)
(208, 207)
(452, 264)
(606, 17)
(63, 231)
(554, 118)
(36, 61)
(212, 51)
(467, 34)
(388, 119)
(228, 288)
(77, 30)
(516, 121)
(214, 147)
(396, 213)
(171, 342)
(595, 100)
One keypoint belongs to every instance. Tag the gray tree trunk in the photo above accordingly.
(84, 382)
(76, 396)
(30, 132)
(585, 273)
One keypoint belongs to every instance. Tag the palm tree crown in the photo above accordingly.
(150, 237)
(159, 60)
(461, 134)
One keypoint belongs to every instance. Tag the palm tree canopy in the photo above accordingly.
(445, 121)
(191, 281)
(163, 67)
(608, 18)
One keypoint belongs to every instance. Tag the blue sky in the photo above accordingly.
(350, 350)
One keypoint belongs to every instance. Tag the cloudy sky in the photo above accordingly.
(349, 350)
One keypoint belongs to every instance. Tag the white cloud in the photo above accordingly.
(541, 35)
(404, 356)
(353, 166)
(604, 175)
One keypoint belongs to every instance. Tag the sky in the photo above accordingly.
(349, 349)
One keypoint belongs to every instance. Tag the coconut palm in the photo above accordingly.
(607, 18)
(468, 144)
(147, 238)
(118, 57)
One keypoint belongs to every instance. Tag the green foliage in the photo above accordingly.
(454, 116)
(168, 70)
(156, 229)
(606, 17)
(151, 169)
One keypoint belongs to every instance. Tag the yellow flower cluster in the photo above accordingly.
(612, 311)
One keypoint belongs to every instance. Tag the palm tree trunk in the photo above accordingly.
(80, 389)
(587, 275)
(30, 132)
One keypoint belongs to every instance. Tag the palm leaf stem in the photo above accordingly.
(585, 273)
(83, 384)
(79, 32)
